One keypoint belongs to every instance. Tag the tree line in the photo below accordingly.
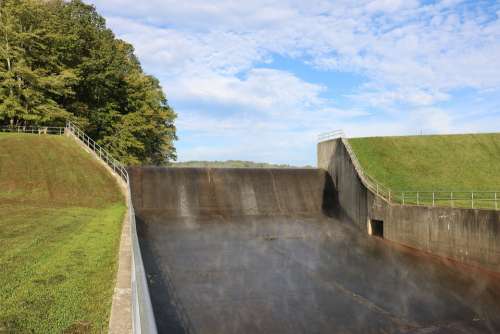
(58, 61)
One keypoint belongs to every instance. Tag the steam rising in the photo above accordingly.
(227, 259)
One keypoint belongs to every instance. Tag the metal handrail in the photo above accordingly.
(370, 183)
(101, 152)
(143, 320)
(477, 199)
(330, 135)
(47, 130)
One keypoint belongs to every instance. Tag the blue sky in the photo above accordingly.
(259, 80)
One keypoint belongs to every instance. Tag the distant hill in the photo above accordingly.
(232, 164)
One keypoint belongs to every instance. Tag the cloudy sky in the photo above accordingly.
(259, 80)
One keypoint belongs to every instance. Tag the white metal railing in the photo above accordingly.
(40, 130)
(101, 152)
(369, 182)
(331, 135)
(472, 199)
(143, 320)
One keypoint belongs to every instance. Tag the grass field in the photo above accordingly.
(59, 236)
(433, 163)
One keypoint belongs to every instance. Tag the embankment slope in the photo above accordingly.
(59, 235)
(468, 162)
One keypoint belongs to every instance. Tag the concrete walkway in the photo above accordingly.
(120, 321)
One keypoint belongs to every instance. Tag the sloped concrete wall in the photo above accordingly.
(195, 192)
(470, 236)
(350, 196)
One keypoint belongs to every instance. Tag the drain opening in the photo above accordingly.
(376, 228)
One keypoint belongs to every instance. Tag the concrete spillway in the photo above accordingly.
(258, 251)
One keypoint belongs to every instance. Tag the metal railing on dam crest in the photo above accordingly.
(462, 199)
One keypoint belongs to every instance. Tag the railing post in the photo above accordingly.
(403, 197)
(389, 196)
(433, 199)
(418, 199)
(472, 200)
(451, 199)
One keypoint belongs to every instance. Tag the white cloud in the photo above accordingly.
(414, 56)
(262, 89)
(171, 52)
(432, 120)
(390, 5)
(435, 47)
(386, 97)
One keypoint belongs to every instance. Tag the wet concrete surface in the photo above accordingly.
(256, 251)
(304, 275)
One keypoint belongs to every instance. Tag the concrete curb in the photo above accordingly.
(120, 320)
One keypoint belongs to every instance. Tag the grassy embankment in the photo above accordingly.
(60, 226)
(434, 163)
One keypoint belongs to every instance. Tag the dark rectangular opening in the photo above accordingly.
(377, 227)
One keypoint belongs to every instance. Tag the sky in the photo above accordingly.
(260, 80)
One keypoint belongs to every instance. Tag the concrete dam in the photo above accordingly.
(266, 251)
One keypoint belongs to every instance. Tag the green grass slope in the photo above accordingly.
(469, 162)
(59, 236)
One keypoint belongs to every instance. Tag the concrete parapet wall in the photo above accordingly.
(470, 236)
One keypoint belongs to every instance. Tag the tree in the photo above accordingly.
(58, 60)
(31, 78)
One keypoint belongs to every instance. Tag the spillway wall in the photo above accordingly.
(470, 236)
(206, 192)
(351, 196)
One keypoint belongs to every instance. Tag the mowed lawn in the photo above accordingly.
(469, 162)
(60, 224)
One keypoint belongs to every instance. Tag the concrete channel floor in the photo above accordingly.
(304, 275)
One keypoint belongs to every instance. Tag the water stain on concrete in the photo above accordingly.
(287, 267)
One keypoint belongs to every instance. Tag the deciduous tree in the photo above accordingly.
(58, 61)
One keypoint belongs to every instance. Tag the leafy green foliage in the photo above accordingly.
(58, 61)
